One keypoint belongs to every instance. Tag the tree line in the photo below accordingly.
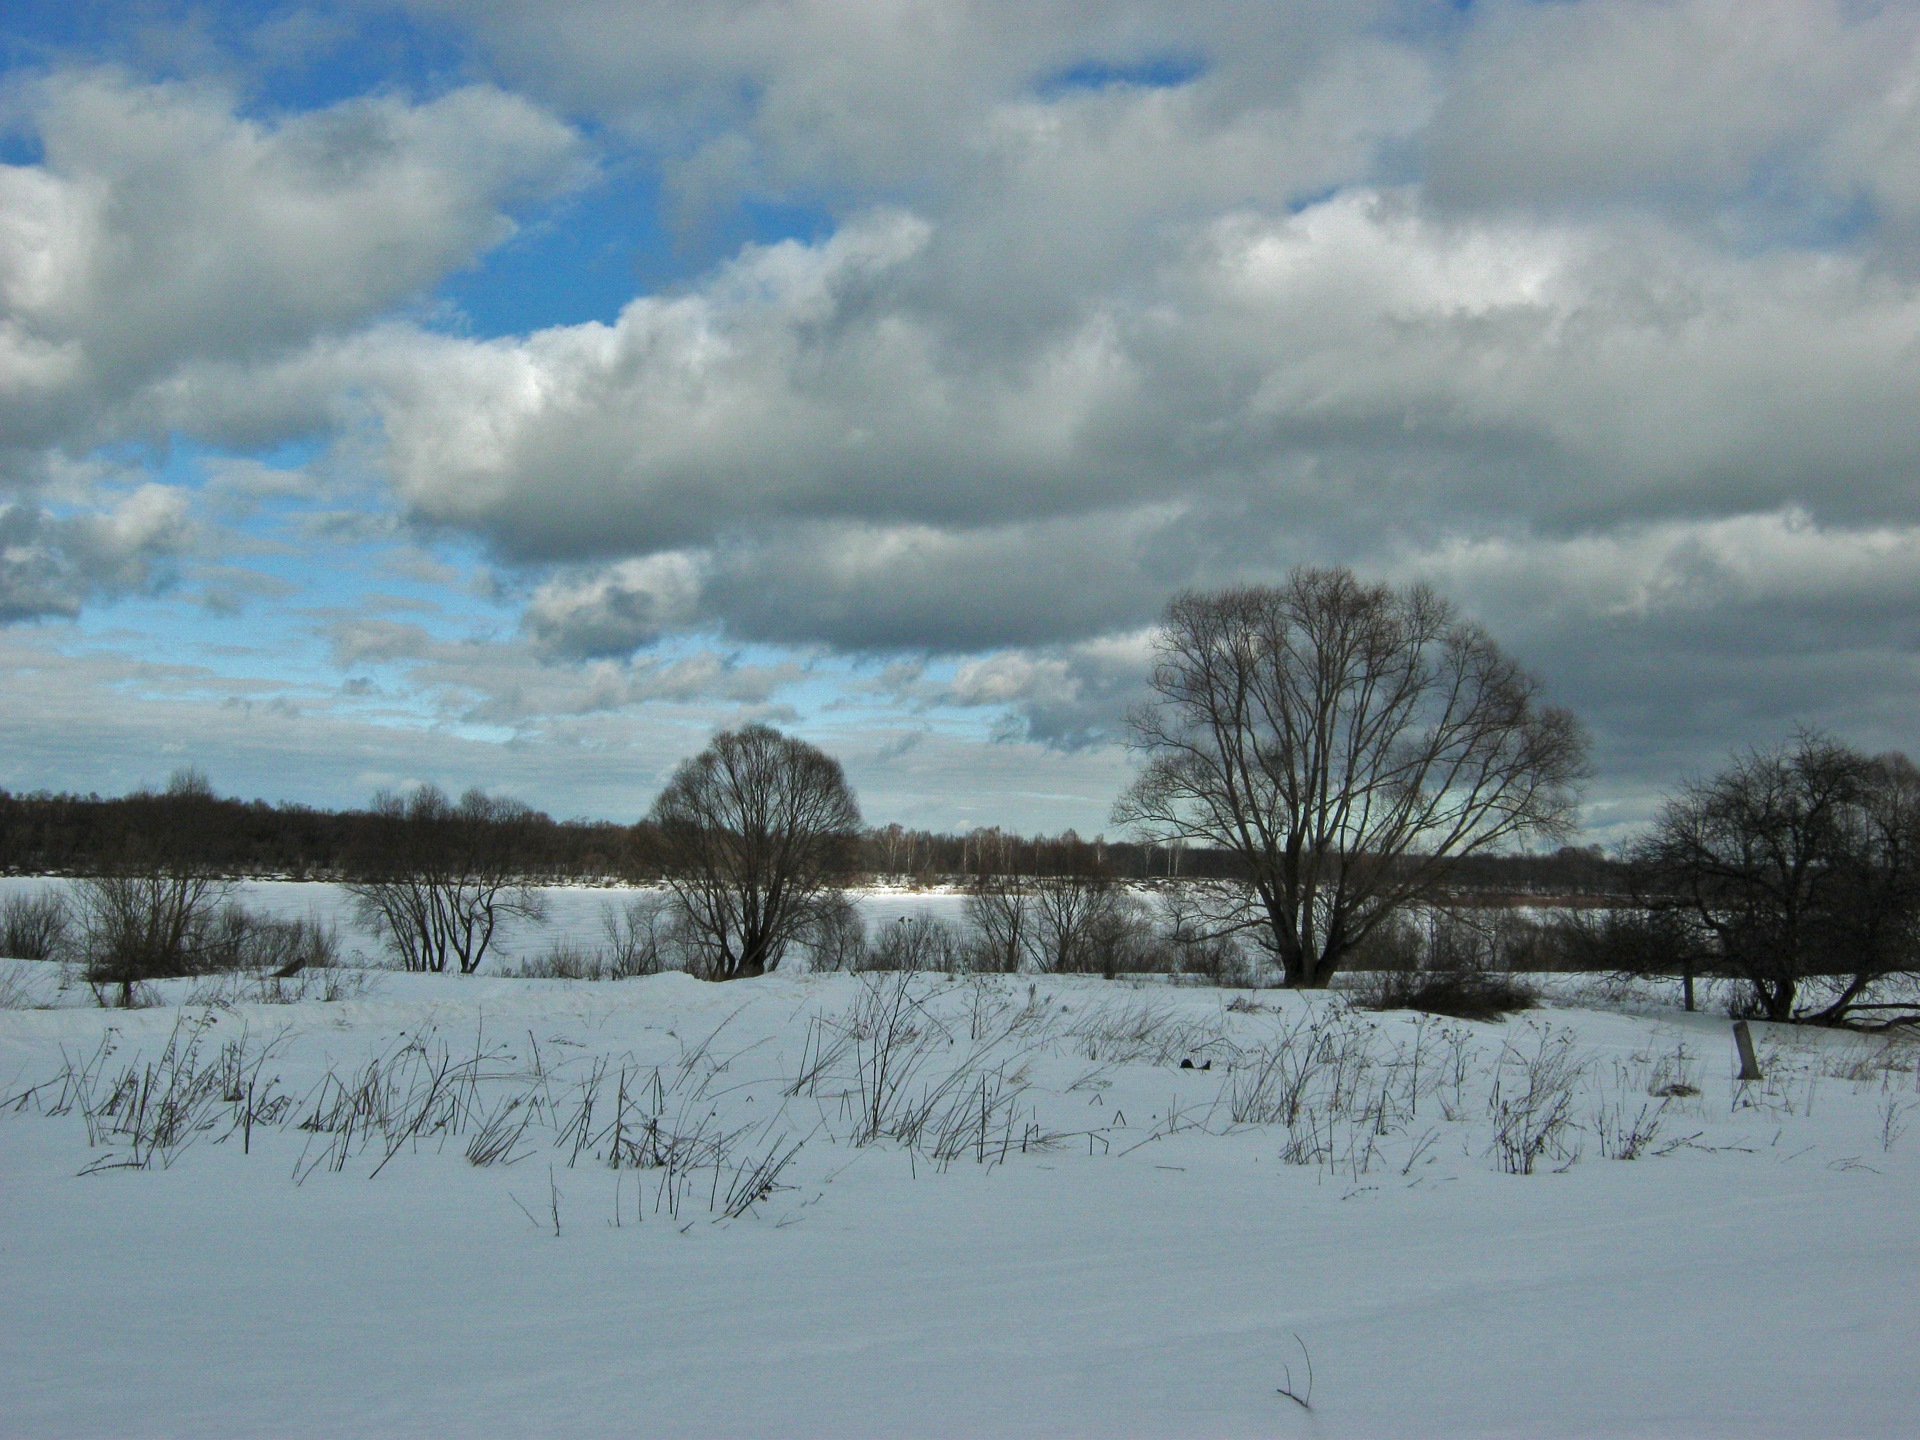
(43, 833)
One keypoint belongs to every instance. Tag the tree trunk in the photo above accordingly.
(1779, 995)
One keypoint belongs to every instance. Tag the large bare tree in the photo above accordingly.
(756, 834)
(1797, 870)
(1344, 742)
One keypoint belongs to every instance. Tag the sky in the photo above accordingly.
(513, 393)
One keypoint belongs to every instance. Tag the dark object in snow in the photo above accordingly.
(1749, 1062)
(1189, 1065)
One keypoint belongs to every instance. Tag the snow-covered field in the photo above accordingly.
(903, 1206)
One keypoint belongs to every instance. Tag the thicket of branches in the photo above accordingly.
(434, 879)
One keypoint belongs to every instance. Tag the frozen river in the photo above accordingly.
(573, 912)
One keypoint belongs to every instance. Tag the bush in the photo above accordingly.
(838, 938)
(1397, 944)
(914, 944)
(567, 960)
(34, 926)
(1218, 960)
(150, 924)
(1463, 994)
(161, 923)
(238, 939)
(639, 936)
(638, 942)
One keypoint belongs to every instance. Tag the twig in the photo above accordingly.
(1305, 1402)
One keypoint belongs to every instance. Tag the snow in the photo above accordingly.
(1143, 1268)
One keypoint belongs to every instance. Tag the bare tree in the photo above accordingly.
(999, 909)
(756, 835)
(436, 879)
(1798, 869)
(1080, 921)
(1344, 743)
(837, 938)
(146, 921)
(999, 905)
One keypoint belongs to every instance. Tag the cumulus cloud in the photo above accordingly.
(618, 609)
(804, 450)
(161, 228)
(485, 680)
(1069, 697)
(1802, 115)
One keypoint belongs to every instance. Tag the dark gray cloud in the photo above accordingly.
(52, 564)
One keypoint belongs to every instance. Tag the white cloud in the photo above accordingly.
(161, 228)
(1775, 113)
(618, 609)
(805, 448)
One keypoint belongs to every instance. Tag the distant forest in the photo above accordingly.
(44, 833)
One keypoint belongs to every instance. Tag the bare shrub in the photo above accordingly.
(1077, 921)
(638, 942)
(838, 937)
(35, 926)
(1466, 937)
(146, 924)
(565, 959)
(1531, 1103)
(1117, 938)
(436, 879)
(1081, 921)
(1000, 916)
(1198, 939)
(914, 942)
(1396, 944)
(1463, 994)
(638, 935)
(235, 938)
